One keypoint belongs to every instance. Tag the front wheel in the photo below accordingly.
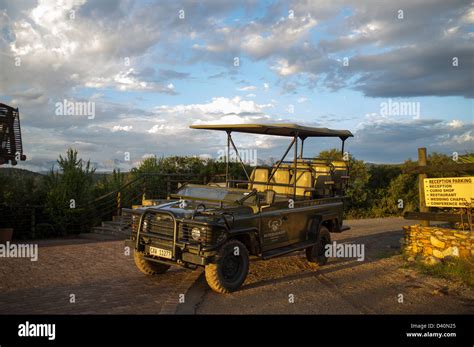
(316, 253)
(230, 270)
(149, 267)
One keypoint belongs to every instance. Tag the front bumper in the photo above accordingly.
(182, 256)
(162, 230)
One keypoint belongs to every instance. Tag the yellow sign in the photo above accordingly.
(449, 191)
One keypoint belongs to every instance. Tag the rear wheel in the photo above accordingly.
(316, 253)
(149, 267)
(230, 270)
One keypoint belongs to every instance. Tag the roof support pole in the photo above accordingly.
(238, 156)
(342, 150)
(227, 160)
(302, 145)
(279, 163)
(295, 161)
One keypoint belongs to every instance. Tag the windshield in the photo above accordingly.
(230, 195)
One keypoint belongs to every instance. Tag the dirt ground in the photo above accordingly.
(381, 284)
(103, 280)
(87, 277)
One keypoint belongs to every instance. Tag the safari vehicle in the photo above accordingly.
(290, 206)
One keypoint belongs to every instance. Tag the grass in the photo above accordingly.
(454, 269)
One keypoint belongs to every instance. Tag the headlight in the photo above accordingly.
(196, 233)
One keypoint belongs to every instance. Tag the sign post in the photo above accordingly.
(421, 190)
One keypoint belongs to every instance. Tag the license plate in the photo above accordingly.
(159, 252)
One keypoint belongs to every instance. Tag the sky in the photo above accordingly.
(122, 80)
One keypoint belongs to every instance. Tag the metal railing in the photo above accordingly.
(32, 221)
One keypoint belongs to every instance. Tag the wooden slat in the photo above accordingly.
(467, 167)
(432, 216)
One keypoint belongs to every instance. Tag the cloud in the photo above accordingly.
(247, 88)
(389, 54)
(128, 81)
(219, 105)
(284, 68)
(301, 99)
(133, 60)
(387, 139)
(122, 128)
(456, 124)
(426, 69)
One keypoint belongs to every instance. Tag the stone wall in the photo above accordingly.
(433, 244)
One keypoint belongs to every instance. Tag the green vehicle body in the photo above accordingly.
(258, 217)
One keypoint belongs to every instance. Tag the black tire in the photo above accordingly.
(229, 271)
(149, 267)
(316, 253)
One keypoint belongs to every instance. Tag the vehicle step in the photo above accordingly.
(113, 223)
(344, 228)
(108, 228)
(285, 250)
(109, 225)
(110, 231)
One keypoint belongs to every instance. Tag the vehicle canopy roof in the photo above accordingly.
(277, 129)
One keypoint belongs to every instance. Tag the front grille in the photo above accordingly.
(160, 225)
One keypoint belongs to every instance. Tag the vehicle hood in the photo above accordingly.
(212, 210)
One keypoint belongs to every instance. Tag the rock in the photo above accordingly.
(438, 254)
(431, 260)
(427, 251)
(451, 251)
(437, 243)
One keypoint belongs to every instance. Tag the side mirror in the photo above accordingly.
(269, 196)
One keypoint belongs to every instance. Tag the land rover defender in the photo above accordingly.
(289, 206)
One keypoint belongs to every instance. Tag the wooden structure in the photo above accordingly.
(11, 147)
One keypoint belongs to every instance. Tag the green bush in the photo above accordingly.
(69, 193)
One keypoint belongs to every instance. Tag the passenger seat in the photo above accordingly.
(259, 175)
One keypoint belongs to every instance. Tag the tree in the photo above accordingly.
(70, 194)
(357, 191)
